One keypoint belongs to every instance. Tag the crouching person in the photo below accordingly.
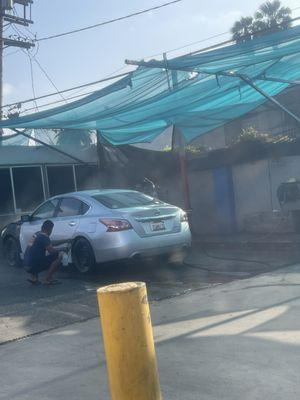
(35, 258)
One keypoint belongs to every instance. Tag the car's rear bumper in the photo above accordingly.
(123, 245)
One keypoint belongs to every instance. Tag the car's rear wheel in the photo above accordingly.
(83, 256)
(12, 252)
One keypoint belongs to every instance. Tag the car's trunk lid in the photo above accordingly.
(153, 220)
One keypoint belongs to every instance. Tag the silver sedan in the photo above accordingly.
(109, 225)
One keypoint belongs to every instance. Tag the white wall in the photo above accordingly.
(251, 189)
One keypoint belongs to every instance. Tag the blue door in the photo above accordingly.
(224, 200)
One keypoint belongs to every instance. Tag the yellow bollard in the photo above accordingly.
(128, 342)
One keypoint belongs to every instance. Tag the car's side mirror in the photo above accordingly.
(25, 218)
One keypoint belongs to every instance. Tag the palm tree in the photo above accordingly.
(242, 29)
(271, 17)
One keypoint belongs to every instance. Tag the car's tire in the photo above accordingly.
(11, 248)
(83, 256)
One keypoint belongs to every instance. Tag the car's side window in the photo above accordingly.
(69, 207)
(46, 210)
(84, 208)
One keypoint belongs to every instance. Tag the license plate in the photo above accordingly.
(158, 226)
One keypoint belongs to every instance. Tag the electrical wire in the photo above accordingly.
(207, 39)
(11, 53)
(109, 21)
(32, 82)
(49, 79)
(120, 75)
(33, 57)
(67, 90)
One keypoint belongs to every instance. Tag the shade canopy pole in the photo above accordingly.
(232, 74)
(179, 146)
(167, 72)
(268, 97)
(280, 80)
(49, 146)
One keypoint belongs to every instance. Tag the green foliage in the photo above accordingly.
(270, 17)
(191, 149)
(252, 134)
(242, 30)
(167, 148)
(199, 149)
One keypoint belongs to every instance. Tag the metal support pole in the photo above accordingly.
(167, 72)
(267, 96)
(244, 78)
(179, 146)
(280, 80)
(128, 342)
(49, 146)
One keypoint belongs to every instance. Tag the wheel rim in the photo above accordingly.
(83, 258)
(11, 252)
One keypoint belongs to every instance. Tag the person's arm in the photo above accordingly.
(51, 249)
(60, 242)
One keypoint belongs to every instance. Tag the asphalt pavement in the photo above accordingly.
(28, 310)
(238, 340)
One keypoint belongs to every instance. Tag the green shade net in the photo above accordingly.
(192, 93)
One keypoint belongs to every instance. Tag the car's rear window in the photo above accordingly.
(125, 199)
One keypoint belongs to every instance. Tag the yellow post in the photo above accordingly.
(128, 342)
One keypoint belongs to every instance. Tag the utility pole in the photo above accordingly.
(9, 15)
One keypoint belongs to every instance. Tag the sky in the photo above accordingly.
(91, 55)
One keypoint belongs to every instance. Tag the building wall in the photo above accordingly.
(252, 190)
(255, 201)
(204, 212)
(267, 118)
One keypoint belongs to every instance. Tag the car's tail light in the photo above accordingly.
(116, 225)
(184, 217)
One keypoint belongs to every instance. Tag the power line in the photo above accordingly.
(209, 38)
(48, 77)
(109, 21)
(127, 73)
(67, 90)
(11, 53)
(32, 82)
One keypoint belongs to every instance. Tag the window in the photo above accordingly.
(125, 199)
(6, 196)
(70, 207)
(46, 210)
(61, 180)
(87, 177)
(28, 186)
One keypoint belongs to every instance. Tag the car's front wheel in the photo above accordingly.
(83, 256)
(12, 252)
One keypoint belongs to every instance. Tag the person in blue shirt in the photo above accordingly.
(35, 258)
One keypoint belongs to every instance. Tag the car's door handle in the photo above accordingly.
(72, 223)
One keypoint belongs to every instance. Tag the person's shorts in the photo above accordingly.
(42, 264)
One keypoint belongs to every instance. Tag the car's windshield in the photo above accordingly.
(125, 199)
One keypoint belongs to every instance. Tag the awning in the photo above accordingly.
(196, 92)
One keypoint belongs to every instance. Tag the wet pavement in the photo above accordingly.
(26, 310)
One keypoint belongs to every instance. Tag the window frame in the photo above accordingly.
(40, 206)
(71, 216)
(15, 167)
